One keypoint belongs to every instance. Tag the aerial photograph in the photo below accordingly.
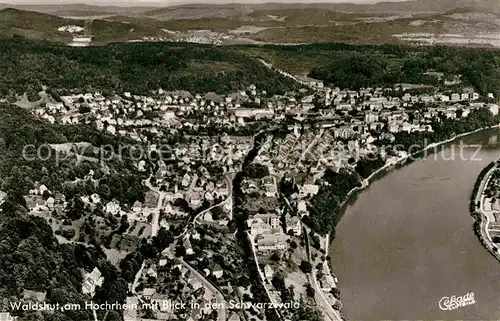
(249, 160)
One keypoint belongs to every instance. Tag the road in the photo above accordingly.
(229, 198)
(221, 303)
(311, 144)
(488, 215)
(261, 274)
(283, 73)
(485, 224)
(328, 311)
(229, 180)
(155, 222)
(136, 280)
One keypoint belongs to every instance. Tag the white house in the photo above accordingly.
(493, 109)
(293, 224)
(91, 281)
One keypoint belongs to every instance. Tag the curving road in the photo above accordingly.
(221, 303)
(329, 312)
(261, 274)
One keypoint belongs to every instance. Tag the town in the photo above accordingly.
(220, 171)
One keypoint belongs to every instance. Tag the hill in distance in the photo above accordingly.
(271, 22)
(35, 25)
(76, 8)
(196, 11)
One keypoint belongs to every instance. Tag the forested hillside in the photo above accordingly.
(355, 66)
(30, 256)
(18, 128)
(135, 67)
(141, 67)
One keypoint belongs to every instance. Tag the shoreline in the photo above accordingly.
(478, 214)
(402, 160)
(387, 168)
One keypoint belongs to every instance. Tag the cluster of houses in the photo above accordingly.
(148, 118)
(189, 287)
(195, 165)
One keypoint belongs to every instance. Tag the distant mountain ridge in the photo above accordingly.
(385, 22)
(412, 6)
(79, 7)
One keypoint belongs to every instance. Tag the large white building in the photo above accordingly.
(91, 281)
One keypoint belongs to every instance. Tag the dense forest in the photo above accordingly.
(478, 68)
(134, 67)
(325, 208)
(141, 67)
(356, 66)
(32, 259)
(19, 128)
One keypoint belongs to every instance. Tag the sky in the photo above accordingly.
(164, 3)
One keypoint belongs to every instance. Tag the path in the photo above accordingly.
(487, 214)
(261, 274)
(329, 312)
(155, 222)
(484, 224)
(283, 73)
(221, 303)
(229, 198)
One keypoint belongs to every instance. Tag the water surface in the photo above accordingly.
(407, 241)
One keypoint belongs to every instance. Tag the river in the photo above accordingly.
(407, 241)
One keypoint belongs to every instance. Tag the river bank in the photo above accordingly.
(403, 159)
(400, 161)
(482, 220)
(408, 241)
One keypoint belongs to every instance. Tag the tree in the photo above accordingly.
(305, 267)
(256, 171)
(275, 257)
(310, 291)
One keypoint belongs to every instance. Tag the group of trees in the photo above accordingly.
(325, 207)
(32, 259)
(256, 170)
(366, 166)
(354, 67)
(134, 67)
(444, 129)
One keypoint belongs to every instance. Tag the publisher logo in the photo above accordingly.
(455, 302)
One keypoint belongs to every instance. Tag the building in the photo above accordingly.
(271, 219)
(344, 132)
(131, 314)
(268, 272)
(493, 109)
(217, 271)
(269, 243)
(293, 225)
(327, 283)
(371, 117)
(91, 281)
(258, 226)
(148, 293)
(5, 316)
(308, 190)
